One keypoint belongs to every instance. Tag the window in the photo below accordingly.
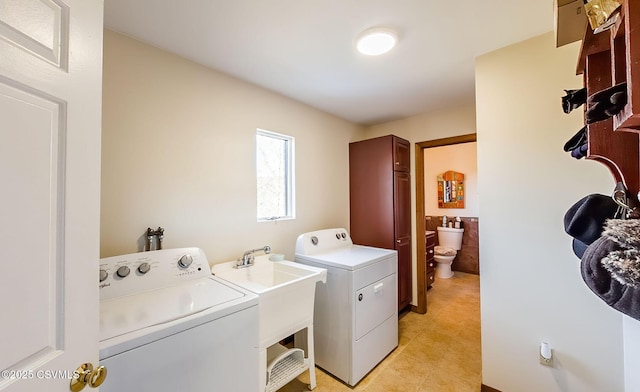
(274, 173)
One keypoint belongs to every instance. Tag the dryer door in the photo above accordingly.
(374, 304)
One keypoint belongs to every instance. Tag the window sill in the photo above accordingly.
(276, 219)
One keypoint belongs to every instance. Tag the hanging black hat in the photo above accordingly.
(584, 221)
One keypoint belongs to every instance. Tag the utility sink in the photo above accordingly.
(286, 293)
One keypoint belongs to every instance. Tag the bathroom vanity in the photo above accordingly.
(430, 243)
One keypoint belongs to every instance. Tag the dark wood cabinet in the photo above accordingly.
(380, 201)
(430, 244)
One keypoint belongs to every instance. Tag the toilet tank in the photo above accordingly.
(450, 237)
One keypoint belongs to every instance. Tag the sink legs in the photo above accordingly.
(303, 339)
(276, 368)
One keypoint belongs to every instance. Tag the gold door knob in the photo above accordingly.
(86, 374)
(97, 377)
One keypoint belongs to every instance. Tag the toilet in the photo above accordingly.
(450, 242)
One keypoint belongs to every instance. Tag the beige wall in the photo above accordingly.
(631, 334)
(461, 158)
(531, 287)
(429, 126)
(460, 120)
(178, 152)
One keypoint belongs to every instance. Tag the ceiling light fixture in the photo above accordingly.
(376, 41)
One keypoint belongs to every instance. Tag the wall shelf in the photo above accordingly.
(607, 59)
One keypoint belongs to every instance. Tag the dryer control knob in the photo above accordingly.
(185, 261)
(144, 268)
(123, 271)
(103, 275)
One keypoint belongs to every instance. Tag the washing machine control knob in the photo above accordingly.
(185, 261)
(103, 275)
(144, 268)
(123, 271)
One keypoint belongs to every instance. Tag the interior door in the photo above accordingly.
(50, 112)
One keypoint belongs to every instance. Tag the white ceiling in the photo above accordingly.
(304, 49)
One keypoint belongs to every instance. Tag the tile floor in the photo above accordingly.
(437, 352)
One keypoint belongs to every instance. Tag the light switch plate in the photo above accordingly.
(546, 362)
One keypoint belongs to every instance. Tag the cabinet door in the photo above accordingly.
(401, 154)
(371, 193)
(402, 227)
(402, 204)
(403, 246)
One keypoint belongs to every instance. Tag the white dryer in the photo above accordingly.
(356, 311)
(167, 325)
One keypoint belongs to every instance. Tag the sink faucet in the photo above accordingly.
(247, 258)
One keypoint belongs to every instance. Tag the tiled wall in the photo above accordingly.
(468, 258)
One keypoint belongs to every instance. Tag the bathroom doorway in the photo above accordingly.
(420, 210)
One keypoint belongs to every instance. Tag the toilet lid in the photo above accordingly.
(444, 251)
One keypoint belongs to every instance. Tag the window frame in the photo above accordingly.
(289, 174)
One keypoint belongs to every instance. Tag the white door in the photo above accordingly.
(50, 113)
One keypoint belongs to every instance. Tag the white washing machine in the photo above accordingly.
(356, 311)
(167, 325)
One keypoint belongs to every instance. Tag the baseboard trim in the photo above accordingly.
(485, 388)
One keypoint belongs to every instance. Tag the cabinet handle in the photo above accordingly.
(431, 251)
(397, 163)
(430, 264)
(398, 241)
(431, 278)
